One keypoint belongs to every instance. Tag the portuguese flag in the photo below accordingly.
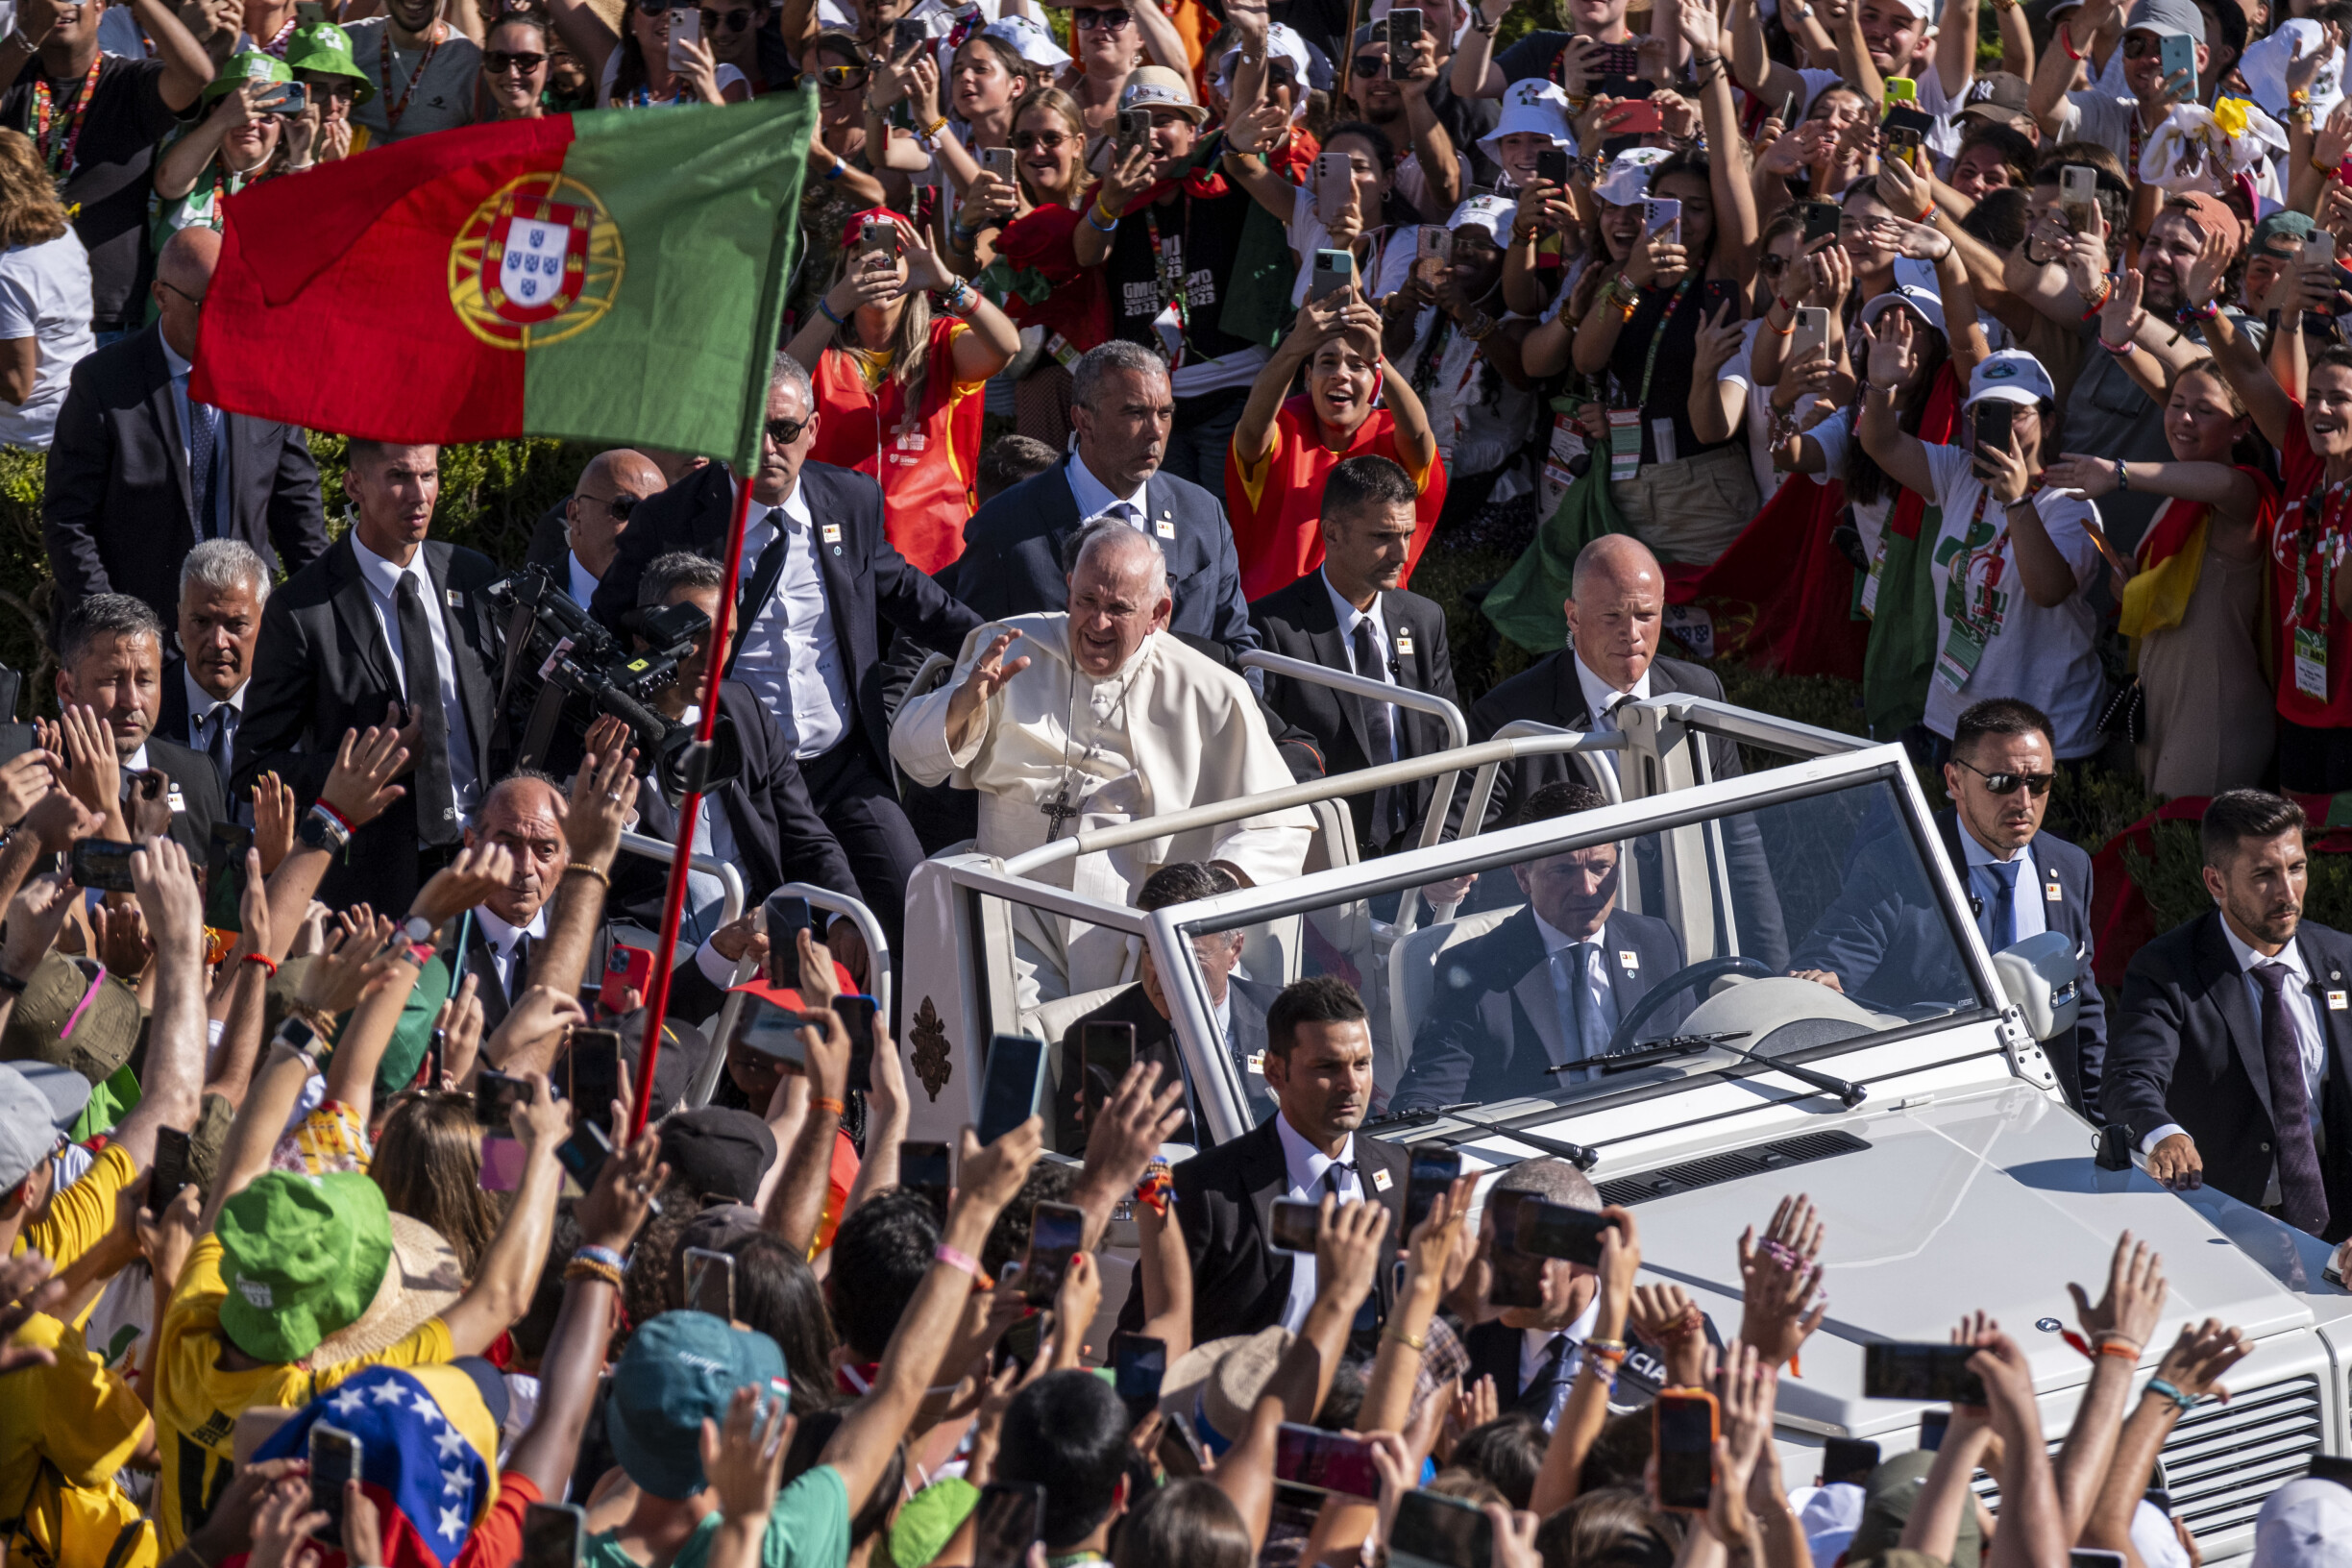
(615, 276)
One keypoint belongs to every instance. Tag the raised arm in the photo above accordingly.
(1736, 231)
(2274, 411)
(2117, 1328)
(1474, 73)
(1901, 454)
(508, 1275)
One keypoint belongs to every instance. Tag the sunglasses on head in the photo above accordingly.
(2039, 784)
(497, 62)
(735, 21)
(785, 432)
(1371, 65)
(1027, 140)
(1110, 21)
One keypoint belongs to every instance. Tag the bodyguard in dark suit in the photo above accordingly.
(818, 572)
(138, 473)
(1615, 619)
(2232, 1058)
(1389, 634)
(223, 585)
(1522, 999)
(110, 662)
(1122, 409)
(386, 621)
(1318, 1066)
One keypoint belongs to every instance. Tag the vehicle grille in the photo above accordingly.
(2223, 1461)
(1731, 1165)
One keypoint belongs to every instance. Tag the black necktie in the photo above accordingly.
(204, 463)
(1536, 1399)
(1388, 807)
(1330, 1177)
(216, 740)
(436, 805)
(518, 969)
(2302, 1192)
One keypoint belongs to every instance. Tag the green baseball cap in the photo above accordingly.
(73, 1015)
(678, 1368)
(397, 1067)
(2285, 228)
(303, 1256)
(253, 66)
(327, 48)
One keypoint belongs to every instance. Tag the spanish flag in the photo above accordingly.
(615, 276)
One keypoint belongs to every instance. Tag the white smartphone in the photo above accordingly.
(1661, 213)
(2078, 196)
(685, 32)
(1810, 333)
(1335, 186)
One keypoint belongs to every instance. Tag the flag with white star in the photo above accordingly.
(427, 1448)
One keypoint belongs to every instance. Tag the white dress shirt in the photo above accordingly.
(2302, 1013)
(1096, 500)
(180, 369)
(502, 938)
(383, 579)
(200, 706)
(1600, 696)
(714, 835)
(1306, 1164)
(2032, 919)
(583, 581)
(1349, 615)
(789, 655)
(1594, 979)
(1535, 1349)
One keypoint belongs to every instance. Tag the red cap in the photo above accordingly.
(857, 222)
(785, 997)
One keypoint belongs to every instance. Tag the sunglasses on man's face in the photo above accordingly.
(734, 21)
(2141, 46)
(1371, 67)
(784, 432)
(1110, 21)
(499, 63)
(2039, 784)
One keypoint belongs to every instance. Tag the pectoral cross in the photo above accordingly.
(1057, 812)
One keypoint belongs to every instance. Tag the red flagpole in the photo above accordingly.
(673, 903)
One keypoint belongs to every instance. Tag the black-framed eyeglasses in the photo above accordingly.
(734, 21)
(2038, 784)
(1110, 19)
(1371, 67)
(196, 300)
(784, 432)
(500, 62)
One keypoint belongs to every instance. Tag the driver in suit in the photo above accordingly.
(1550, 985)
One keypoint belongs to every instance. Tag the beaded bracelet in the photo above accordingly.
(583, 869)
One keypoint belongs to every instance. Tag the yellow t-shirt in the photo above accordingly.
(79, 1217)
(198, 1400)
(65, 1431)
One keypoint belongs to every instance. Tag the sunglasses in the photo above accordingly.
(842, 76)
(1371, 65)
(1028, 140)
(2141, 46)
(785, 432)
(1110, 21)
(499, 63)
(1771, 265)
(619, 506)
(2039, 784)
(735, 21)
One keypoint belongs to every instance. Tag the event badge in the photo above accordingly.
(1257, 1063)
(1870, 584)
(1962, 650)
(1403, 644)
(1625, 444)
(2336, 1001)
(1065, 352)
(832, 533)
(2310, 663)
(1662, 436)
(1381, 1181)
(456, 599)
(2053, 892)
(1629, 960)
(1165, 528)
(1568, 444)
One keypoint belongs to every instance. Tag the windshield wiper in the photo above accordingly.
(1576, 1154)
(1850, 1094)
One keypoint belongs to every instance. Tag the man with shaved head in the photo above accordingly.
(140, 474)
(1616, 613)
(579, 538)
(1079, 719)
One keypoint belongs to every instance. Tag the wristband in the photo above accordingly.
(838, 169)
(265, 961)
(418, 953)
(1691, 1321)
(2099, 303)
(1927, 216)
(2322, 167)
(824, 308)
(1781, 331)
(1095, 217)
(955, 1258)
(2123, 1350)
(588, 1268)
(1156, 1189)
(1609, 1350)
(2165, 1391)
(2206, 312)
(2124, 483)
(2121, 351)
(348, 827)
(603, 1255)
(2066, 41)
(826, 1102)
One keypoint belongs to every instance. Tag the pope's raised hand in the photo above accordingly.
(987, 679)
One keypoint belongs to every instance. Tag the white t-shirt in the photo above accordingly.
(45, 295)
(1835, 437)
(1759, 411)
(2040, 654)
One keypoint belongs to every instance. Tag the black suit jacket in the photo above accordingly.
(1489, 1032)
(551, 542)
(1012, 562)
(323, 667)
(692, 997)
(778, 836)
(172, 716)
(1225, 1197)
(117, 513)
(1299, 622)
(865, 576)
(1494, 1346)
(1549, 693)
(2188, 1049)
(1154, 1040)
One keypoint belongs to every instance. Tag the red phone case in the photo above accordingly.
(632, 974)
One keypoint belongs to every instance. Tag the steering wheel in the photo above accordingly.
(1689, 977)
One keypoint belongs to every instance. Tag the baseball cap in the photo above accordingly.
(929, 1519)
(2165, 19)
(1156, 86)
(2000, 97)
(679, 1368)
(37, 1102)
(72, 1014)
(1029, 40)
(1216, 1385)
(1921, 300)
(2305, 1524)
(303, 1256)
(1887, 1503)
(2283, 232)
(719, 1151)
(253, 66)
(2011, 375)
(327, 48)
(2211, 214)
(1282, 40)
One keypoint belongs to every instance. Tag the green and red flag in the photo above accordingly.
(615, 276)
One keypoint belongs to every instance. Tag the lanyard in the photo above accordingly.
(1657, 336)
(2318, 542)
(1168, 273)
(383, 58)
(61, 160)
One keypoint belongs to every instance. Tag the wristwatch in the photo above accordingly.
(320, 829)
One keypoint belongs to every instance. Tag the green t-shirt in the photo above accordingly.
(808, 1528)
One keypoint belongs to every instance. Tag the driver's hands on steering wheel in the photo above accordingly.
(1819, 977)
(1691, 977)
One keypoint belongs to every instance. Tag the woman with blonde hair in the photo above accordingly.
(44, 296)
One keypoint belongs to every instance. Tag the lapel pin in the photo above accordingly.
(1404, 641)
(1381, 1181)
(454, 599)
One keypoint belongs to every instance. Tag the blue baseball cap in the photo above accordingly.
(679, 1369)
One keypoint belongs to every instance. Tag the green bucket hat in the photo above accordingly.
(398, 1067)
(73, 1015)
(302, 1257)
(327, 48)
(929, 1519)
(253, 66)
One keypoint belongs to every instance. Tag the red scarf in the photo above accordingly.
(1200, 182)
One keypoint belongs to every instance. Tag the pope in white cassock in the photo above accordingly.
(1102, 717)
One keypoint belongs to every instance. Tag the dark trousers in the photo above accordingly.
(863, 811)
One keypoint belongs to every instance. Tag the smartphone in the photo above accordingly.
(1020, 1342)
(1552, 166)
(1433, 243)
(1335, 183)
(788, 912)
(776, 1031)
(1661, 214)
(169, 1173)
(2083, 1556)
(685, 32)
(1849, 1458)
(1138, 1363)
(857, 1015)
(1296, 1225)
(1934, 1422)
(1434, 1172)
(495, 1095)
(101, 864)
(1518, 1277)
(922, 1167)
(1991, 423)
(910, 34)
(878, 237)
(1810, 332)
(595, 1058)
(2078, 196)
(1056, 1231)
(1135, 128)
(582, 1155)
(1687, 1428)
(2176, 54)
(292, 97)
(1324, 1461)
(998, 161)
(1334, 273)
(1902, 90)
(335, 1458)
(225, 853)
(1638, 118)
(1821, 222)
(627, 968)
(552, 1535)
(1555, 1230)
(1009, 1090)
(1920, 1371)
(1107, 1050)
(1904, 143)
(1009, 1519)
(436, 1052)
(1614, 59)
(1431, 1530)
(710, 1282)
(2320, 246)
